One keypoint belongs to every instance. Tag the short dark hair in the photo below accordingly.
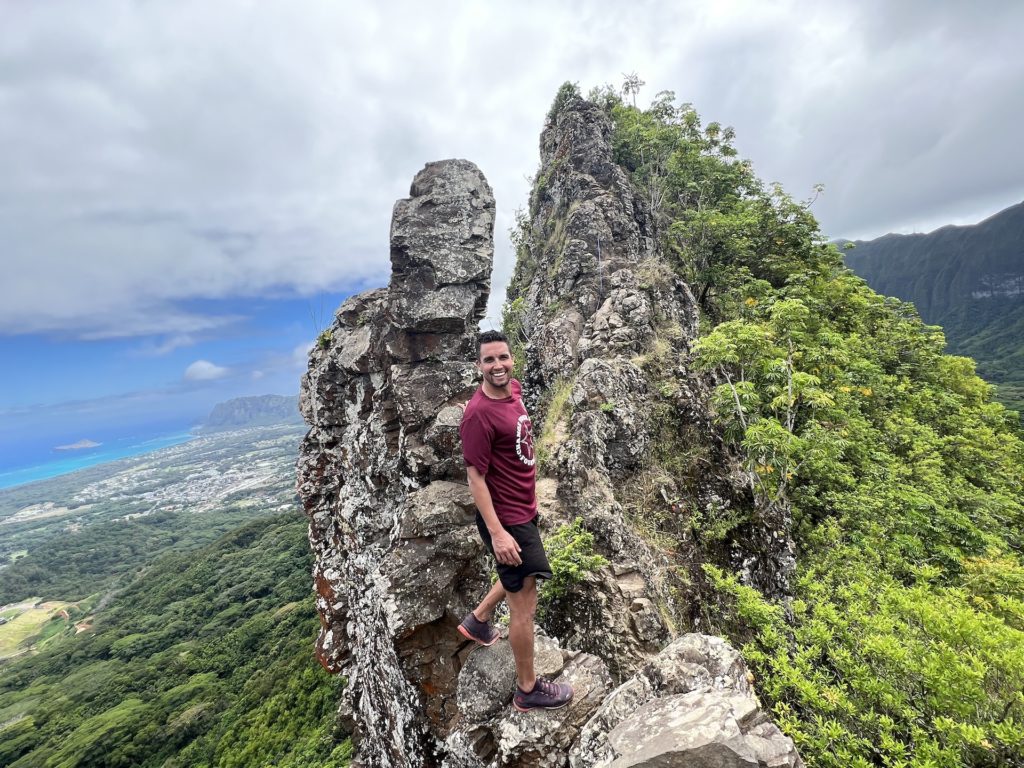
(489, 336)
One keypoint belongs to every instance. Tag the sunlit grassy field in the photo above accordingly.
(27, 626)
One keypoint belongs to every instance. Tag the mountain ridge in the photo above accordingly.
(969, 279)
(754, 443)
(252, 411)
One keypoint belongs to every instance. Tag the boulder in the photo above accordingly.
(487, 680)
(702, 729)
(691, 705)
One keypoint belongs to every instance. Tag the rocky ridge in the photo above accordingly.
(253, 411)
(397, 558)
(605, 317)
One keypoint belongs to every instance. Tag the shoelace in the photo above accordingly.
(546, 686)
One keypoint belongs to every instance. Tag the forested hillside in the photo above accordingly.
(204, 659)
(107, 553)
(903, 643)
(970, 281)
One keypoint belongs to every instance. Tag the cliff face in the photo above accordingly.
(377, 398)
(606, 329)
(604, 315)
(942, 269)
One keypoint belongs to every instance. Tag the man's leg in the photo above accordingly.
(477, 624)
(522, 606)
(485, 610)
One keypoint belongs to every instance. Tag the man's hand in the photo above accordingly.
(506, 550)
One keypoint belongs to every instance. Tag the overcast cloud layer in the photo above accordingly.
(155, 154)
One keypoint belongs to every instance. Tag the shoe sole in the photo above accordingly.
(465, 633)
(539, 707)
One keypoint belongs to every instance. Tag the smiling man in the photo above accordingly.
(497, 444)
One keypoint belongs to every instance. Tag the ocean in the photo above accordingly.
(63, 462)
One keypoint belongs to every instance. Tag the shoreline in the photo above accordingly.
(22, 476)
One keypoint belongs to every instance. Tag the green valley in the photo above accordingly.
(184, 638)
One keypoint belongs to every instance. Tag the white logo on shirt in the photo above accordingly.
(524, 440)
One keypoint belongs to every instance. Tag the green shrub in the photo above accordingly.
(557, 412)
(570, 551)
(512, 327)
(566, 93)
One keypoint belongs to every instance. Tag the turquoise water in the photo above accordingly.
(101, 455)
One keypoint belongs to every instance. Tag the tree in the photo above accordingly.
(631, 85)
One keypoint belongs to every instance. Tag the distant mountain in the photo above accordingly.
(258, 411)
(969, 280)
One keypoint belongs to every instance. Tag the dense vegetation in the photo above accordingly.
(969, 280)
(904, 642)
(991, 333)
(205, 659)
(73, 565)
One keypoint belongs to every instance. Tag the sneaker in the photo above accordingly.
(478, 631)
(545, 695)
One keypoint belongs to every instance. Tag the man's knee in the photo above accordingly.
(522, 605)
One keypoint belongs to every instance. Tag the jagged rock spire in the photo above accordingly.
(377, 397)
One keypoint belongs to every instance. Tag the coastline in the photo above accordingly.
(19, 476)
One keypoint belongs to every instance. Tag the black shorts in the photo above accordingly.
(535, 560)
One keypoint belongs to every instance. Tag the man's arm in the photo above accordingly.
(506, 550)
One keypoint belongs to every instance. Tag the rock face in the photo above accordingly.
(605, 317)
(398, 561)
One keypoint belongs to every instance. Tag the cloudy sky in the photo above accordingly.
(188, 189)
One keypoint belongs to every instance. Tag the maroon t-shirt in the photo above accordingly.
(497, 439)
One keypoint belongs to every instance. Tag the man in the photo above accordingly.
(497, 444)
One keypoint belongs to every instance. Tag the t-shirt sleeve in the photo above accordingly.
(477, 436)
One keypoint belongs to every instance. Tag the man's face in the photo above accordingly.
(496, 363)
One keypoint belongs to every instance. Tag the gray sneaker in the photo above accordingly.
(545, 695)
(478, 631)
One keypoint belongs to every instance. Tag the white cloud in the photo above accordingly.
(257, 375)
(155, 154)
(204, 370)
